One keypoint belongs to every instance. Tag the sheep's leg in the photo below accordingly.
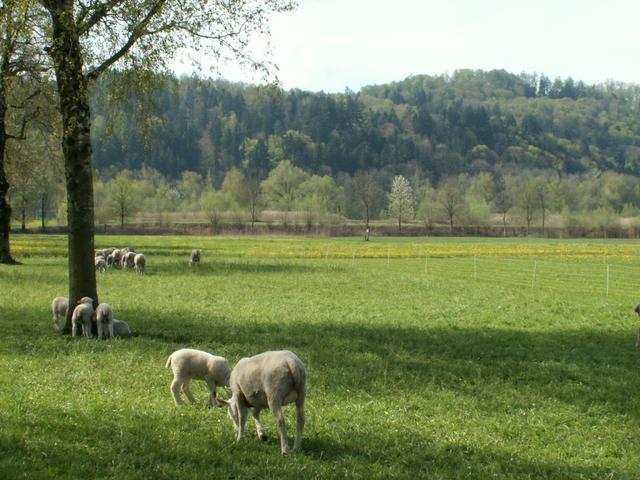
(213, 402)
(111, 335)
(74, 328)
(242, 420)
(262, 433)
(100, 329)
(297, 444)
(86, 328)
(175, 390)
(186, 388)
(276, 409)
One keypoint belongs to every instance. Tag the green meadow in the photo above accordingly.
(426, 358)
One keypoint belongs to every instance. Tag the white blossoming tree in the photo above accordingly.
(401, 200)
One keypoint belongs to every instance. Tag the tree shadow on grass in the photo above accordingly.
(56, 443)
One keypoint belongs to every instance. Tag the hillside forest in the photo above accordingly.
(471, 148)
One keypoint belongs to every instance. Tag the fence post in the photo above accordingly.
(475, 267)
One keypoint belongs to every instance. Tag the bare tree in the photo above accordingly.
(88, 37)
(450, 197)
(364, 193)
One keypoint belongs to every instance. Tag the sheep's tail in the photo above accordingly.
(168, 364)
(299, 375)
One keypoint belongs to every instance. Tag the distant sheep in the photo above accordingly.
(59, 307)
(637, 310)
(139, 262)
(105, 318)
(105, 252)
(194, 261)
(188, 364)
(268, 380)
(83, 314)
(100, 264)
(116, 258)
(127, 260)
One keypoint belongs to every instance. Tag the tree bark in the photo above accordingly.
(73, 93)
(5, 207)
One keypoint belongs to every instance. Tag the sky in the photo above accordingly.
(333, 45)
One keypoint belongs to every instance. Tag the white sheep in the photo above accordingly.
(59, 307)
(83, 314)
(128, 259)
(194, 261)
(139, 262)
(268, 380)
(100, 264)
(188, 364)
(104, 317)
(116, 257)
(120, 328)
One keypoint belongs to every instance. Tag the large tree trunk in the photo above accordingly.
(5, 207)
(76, 126)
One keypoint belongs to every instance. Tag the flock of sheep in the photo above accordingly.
(119, 257)
(267, 380)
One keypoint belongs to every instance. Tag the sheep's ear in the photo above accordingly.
(223, 402)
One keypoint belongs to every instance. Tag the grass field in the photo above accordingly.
(433, 358)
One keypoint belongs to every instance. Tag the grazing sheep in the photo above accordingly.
(105, 252)
(104, 317)
(637, 310)
(128, 260)
(120, 328)
(83, 314)
(268, 380)
(139, 262)
(100, 264)
(59, 307)
(194, 261)
(188, 364)
(116, 257)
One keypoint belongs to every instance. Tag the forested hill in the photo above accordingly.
(470, 121)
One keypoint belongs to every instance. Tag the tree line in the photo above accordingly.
(468, 122)
(597, 202)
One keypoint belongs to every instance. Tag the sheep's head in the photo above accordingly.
(88, 300)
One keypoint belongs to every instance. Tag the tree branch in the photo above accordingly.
(87, 20)
(138, 32)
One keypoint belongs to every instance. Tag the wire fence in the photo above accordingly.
(599, 279)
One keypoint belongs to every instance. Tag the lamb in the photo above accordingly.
(59, 307)
(120, 328)
(100, 264)
(194, 261)
(188, 364)
(268, 380)
(139, 262)
(104, 317)
(83, 314)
